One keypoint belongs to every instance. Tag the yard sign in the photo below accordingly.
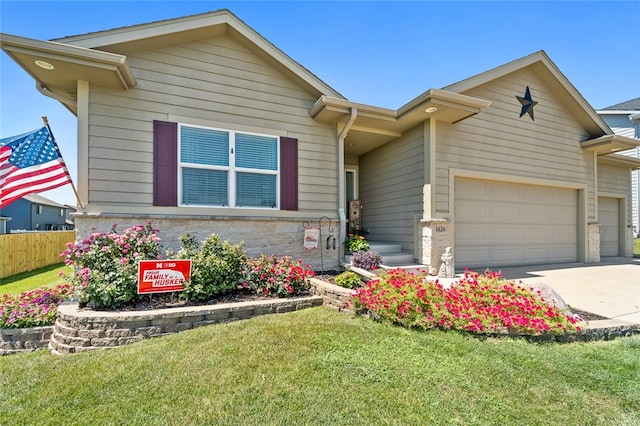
(162, 276)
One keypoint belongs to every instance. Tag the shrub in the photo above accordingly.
(355, 243)
(367, 260)
(349, 279)
(106, 265)
(477, 303)
(216, 267)
(33, 308)
(270, 276)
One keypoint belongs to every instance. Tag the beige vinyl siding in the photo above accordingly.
(498, 141)
(391, 182)
(215, 82)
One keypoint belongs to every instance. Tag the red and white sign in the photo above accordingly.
(163, 276)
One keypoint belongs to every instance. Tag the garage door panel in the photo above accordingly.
(503, 194)
(509, 212)
(473, 209)
(609, 218)
(520, 224)
(536, 234)
(473, 191)
(474, 234)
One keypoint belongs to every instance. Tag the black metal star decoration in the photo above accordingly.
(527, 104)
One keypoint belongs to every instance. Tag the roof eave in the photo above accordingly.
(621, 160)
(609, 144)
(69, 64)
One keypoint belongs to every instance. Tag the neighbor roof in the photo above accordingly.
(39, 199)
(625, 107)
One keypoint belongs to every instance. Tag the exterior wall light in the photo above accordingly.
(431, 109)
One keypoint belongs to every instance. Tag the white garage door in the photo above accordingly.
(609, 218)
(503, 224)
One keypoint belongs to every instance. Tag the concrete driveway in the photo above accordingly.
(610, 288)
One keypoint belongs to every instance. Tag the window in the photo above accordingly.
(166, 160)
(226, 168)
(39, 210)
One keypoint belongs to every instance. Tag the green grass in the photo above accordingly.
(43, 277)
(321, 367)
(636, 247)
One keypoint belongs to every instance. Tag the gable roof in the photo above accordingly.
(544, 68)
(100, 57)
(39, 199)
(625, 107)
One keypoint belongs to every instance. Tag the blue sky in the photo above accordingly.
(378, 53)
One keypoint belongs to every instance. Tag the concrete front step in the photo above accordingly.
(397, 259)
(392, 254)
(385, 248)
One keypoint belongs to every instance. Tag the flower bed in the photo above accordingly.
(482, 304)
(32, 308)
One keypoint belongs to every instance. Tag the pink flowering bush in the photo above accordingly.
(478, 303)
(33, 308)
(105, 265)
(278, 277)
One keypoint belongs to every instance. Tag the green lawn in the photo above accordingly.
(321, 367)
(43, 277)
(636, 247)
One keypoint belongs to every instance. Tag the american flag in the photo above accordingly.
(30, 163)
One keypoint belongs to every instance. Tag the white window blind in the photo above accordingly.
(228, 169)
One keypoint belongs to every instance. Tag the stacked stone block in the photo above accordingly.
(78, 330)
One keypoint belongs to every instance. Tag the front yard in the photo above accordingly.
(318, 366)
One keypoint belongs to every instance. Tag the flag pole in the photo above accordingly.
(75, 191)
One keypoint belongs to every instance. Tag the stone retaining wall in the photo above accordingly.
(333, 296)
(78, 330)
(17, 340)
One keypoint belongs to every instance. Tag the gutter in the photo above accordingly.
(62, 99)
(353, 114)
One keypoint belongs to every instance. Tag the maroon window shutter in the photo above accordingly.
(288, 173)
(165, 163)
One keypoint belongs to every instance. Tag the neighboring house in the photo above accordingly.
(3, 224)
(36, 213)
(202, 126)
(624, 120)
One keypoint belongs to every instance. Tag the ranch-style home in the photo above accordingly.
(202, 126)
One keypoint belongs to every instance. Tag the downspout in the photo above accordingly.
(341, 181)
(63, 99)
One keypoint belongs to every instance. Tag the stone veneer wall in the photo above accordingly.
(78, 330)
(260, 235)
(17, 340)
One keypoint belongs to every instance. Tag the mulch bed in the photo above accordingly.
(172, 300)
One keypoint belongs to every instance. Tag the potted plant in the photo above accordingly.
(355, 243)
